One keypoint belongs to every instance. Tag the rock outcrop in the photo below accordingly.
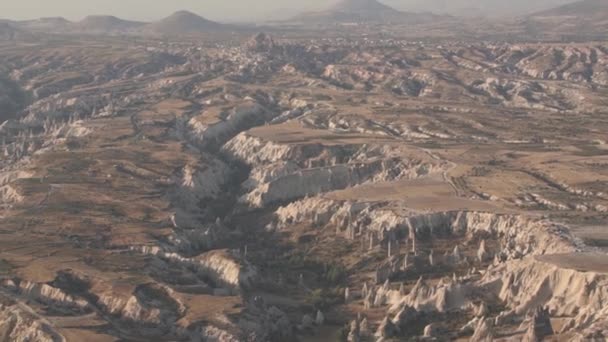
(439, 298)
(484, 331)
(387, 329)
(214, 132)
(519, 235)
(286, 172)
(18, 323)
(219, 265)
(563, 292)
(47, 294)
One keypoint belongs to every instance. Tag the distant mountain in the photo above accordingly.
(583, 8)
(587, 18)
(179, 23)
(473, 8)
(94, 24)
(354, 11)
(363, 6)
(182, 22)
(50, 24)
(105, 24)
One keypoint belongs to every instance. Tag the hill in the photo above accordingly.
(181, 22)
(485, 8)
(584, 19)
(51, 24)
(355, 11)
(583, 8)
(105, 24)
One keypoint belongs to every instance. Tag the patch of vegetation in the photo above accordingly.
(5, 267)
(73, 208)
(591, 151)
(331, 273)
(74, 143)
(496, 162)
(431, 144)
(13, 99)
(323, 299)
(334, 273)
(147, 215)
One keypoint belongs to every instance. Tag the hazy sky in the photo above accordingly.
(239, 9)
(152, 9)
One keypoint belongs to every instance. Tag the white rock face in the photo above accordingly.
(484, 331)
(151, 303)
(521, 281)
(314, 181)
(518, 93)
(284, 172)
(571, 68)
(8, 195)
(239, 119)
(219, 265)
(197, 183)
(415, 84)
(256, 151)
(228, 269)
(11, 176)
(527, 284)
(51, 295)
(193, 185)
(18, 323)
(520, 235)
(207, 182)
(214, 334)
(440, 298)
